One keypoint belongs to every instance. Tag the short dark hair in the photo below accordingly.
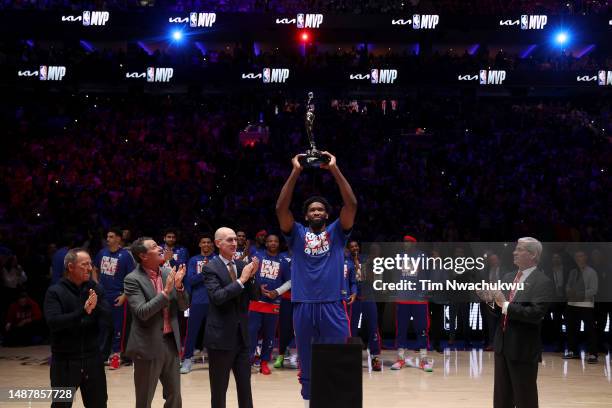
(116, 230)
(316, 199)
(171, 231)
(138, 247)
(205, 235)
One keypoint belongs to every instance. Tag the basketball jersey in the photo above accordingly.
(317, 264)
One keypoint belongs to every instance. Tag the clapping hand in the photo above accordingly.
(249, 271)
(179, 275)
(169, 282)
(91, 302)
(499, 298)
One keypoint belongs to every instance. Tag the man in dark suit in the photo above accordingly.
(154, 295)
(518, 346)
(231, 286)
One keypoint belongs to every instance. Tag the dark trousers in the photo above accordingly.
(492, 322)
(436, 316)
(84, 374)
(461, 312)
(264, 323)
(602, 311)
(420, 321)
(574, 316)
(114, 338)
(285, 325)
(196, 320)
(552, 325)
(164, 368)
(221, 362)
(515, 383)
(364, 315)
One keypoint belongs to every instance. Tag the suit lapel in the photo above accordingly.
(528, 284)
(223, 272)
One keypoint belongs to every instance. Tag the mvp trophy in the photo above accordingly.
(312, 157)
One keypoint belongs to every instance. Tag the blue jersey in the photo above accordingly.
(180, 256)
(194, 281)
(113, 266)
(258, 252)
(273, 272)
(349, 280)
(57, 264)
(286, 255)
(317, 263)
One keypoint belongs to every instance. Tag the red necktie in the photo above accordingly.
(511, 297)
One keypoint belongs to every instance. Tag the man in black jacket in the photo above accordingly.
(231, 286)
(518, 345)
(74, 310)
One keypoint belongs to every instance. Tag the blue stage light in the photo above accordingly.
(177, 35)
(561, 38)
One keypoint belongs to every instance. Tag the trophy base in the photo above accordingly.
(313, 159)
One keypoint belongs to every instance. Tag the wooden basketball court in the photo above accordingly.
(460, 379)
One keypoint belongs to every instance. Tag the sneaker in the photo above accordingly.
(398, 364)
(592, 359)
(114, 362)
(376, 364)
(428, 365)
(186, 366)
(413, 362)
(255, 370)
(293, 361)
(278, 363)
(570, 355)
(265, 370)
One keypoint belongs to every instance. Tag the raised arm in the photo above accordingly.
(349, 209)
(285, 218)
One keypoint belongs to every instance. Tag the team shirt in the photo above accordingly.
(194, 281)
(180, 256)
(349, 281)
(273, 272)
(317, 264)
(113, 266)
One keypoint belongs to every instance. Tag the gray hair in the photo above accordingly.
(71, 256)
(532, 245)
(138, 247)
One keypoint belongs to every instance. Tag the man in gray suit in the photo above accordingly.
(154, 294)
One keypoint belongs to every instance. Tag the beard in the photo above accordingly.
(316, 224)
